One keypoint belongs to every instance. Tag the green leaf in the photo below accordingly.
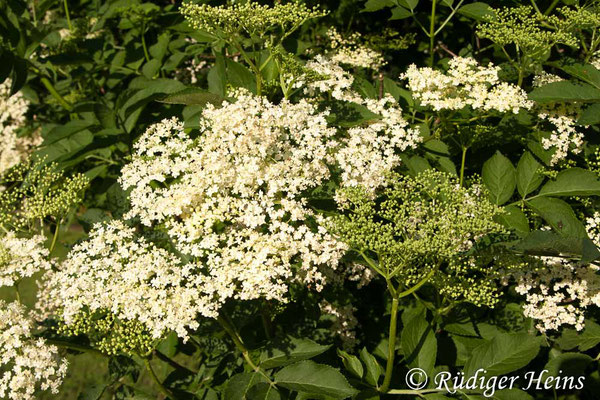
(352, 363)
(168, 346)
(263, 391)
(217, 77)
(585, 72)
(240, 76)
(400, 13)
(373, 368)
(499, 177)
(193, 96)
(506, 352)
(419, 344)
(62, 149)
(316, 379)
(568, 364)
(476, 11)
(66, 130)
(150, 69)
(513, 218)
(548, 243)
(435, 396)
(590, 115)
(376, 5)
(410, 4)
(585, 340)
(239, 385)
(573, 182)
(293, 351)
(93, 392)
(559, 215)
(528, 175)
(505, 394)
(565, 91)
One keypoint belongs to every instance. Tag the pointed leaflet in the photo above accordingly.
(419, 344)
(373, 368)
(289, 352)
(528, 175)
(316, 379)
(573, 182)
(499, 177)
(565, 91)
(352, 363)
(506, 352)
(559, 215)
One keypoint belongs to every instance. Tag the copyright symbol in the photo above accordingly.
(416, 379)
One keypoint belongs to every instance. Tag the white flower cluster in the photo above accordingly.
(191, 71)
(563, 116)
(233, 197)
(13, 149)
(344, 323)
(370, 152)
(595, 61)
(356, 272)
(592, 227)
(367, 152)
(559, 293)
(465, 84)
(350, 52)
(27, 364)
(20, 258)
(118, 271)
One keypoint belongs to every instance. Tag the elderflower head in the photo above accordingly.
(564, 137)
(249, 19)
(558, 292)
(233, 196)
(120, 273)
(21, 258)
(38, 191)
(13, 149)
(368, 151)
(421, 227)
(525, 28)
(465, 84)
(351, 52)
(27, 364)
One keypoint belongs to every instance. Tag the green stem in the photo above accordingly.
(432, 33)
(266, 321)
(537, 10)
(415, 392)
(68, 15)
(454, 10)
(55, 237)
(462, 165)
(74, 346)
(56, 95)
(389, 367)
(17, 294)
(146, 55)
(371, 263)
(552, 6)
(237, 340)
(252, 65)
(161, 387)
(171, 362)
(34, 12)
(418, 285)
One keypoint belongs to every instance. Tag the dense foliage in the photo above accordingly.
(299, 200)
